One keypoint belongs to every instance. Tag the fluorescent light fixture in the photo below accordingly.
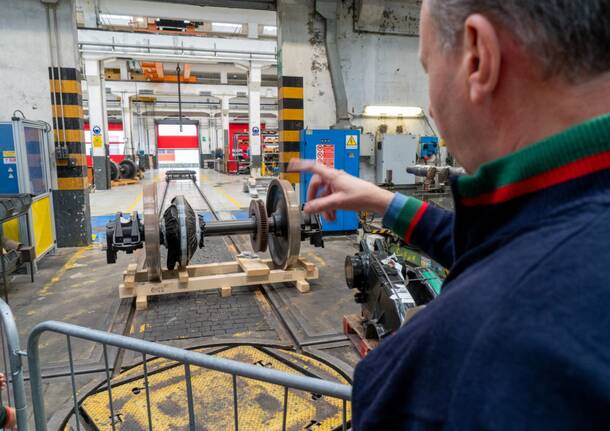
(111, 19)
(225, 27)
(270, 30)
(393, 111)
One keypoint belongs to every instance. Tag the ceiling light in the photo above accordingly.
(393, 111)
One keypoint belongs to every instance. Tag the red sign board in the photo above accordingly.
(325, 154)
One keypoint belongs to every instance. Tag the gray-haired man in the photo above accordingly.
(520, 336)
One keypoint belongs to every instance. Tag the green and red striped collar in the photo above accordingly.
(574, 153)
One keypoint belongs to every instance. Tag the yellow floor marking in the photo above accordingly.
(229, 197)
(71, 263)
(221, 191)
(136, 202)
(316, 257)
(232, 249)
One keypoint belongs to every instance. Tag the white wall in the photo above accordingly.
(381, 70)
(25, 58)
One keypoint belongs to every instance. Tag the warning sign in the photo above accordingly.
(325, 154)
(351, 142)
(96, 141)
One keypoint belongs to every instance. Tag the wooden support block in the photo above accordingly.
(309, 267)
(124, 291)
(225, 275)
(253, 267)
(129, 276)
(183, 277)
(129, 280)
(141, 302)
(302, 286)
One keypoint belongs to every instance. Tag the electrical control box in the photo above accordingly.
(393, 154)
(9, 181)
(428, 146)
(339, 149)
(25, 168)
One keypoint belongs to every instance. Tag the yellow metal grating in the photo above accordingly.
(260, 405)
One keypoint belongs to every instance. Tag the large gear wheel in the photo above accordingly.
(260, 236)
(151, 233)
(285, 240)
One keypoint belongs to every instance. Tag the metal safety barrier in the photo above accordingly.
(186, 357)
(15, 377)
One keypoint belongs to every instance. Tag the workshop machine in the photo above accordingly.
(25, 168)
(277, 224)
(339, 149)
(389, 289)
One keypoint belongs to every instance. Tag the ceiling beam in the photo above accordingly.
(194, 10)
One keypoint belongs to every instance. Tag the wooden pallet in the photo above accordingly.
(125, 182)
(354, 330)
(244, 271)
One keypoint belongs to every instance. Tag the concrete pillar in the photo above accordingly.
(127, 123)
(53, 29)
(305, 95)
(152, 140)
(302, 48)
(224, 79)
(253, 30)
(225, 123)
(98, 121)
(254, 118)
(86, 11)
(124, 71)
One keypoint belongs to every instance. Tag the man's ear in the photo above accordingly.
(483, 57)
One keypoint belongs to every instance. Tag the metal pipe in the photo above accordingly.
(228, 366)
(173, 48)
(179, 96)
(12, 341)
(230, 227)
(422, 170)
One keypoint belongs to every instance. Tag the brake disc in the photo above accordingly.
(180, 223)
(260, 236)
(285, 240)
(151, 233)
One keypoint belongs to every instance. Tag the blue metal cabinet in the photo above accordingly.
(339, 149)
(9, 181)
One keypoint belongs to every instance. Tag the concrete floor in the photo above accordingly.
(77, 286)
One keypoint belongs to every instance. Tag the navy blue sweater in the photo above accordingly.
(520, 336)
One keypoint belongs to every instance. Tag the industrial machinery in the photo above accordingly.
(277, 224)
(14, 253)
(435, 176)
(114, 170)
(428, 147)
(391, 155)
(339, 149)
(25, 168)
(389, 288)
(127, 169)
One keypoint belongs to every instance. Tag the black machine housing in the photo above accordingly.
(123, 234)
(388, 288)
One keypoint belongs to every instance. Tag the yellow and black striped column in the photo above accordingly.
(291, 122)
(71, 199)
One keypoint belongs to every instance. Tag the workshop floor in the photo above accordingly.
(77, 286)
